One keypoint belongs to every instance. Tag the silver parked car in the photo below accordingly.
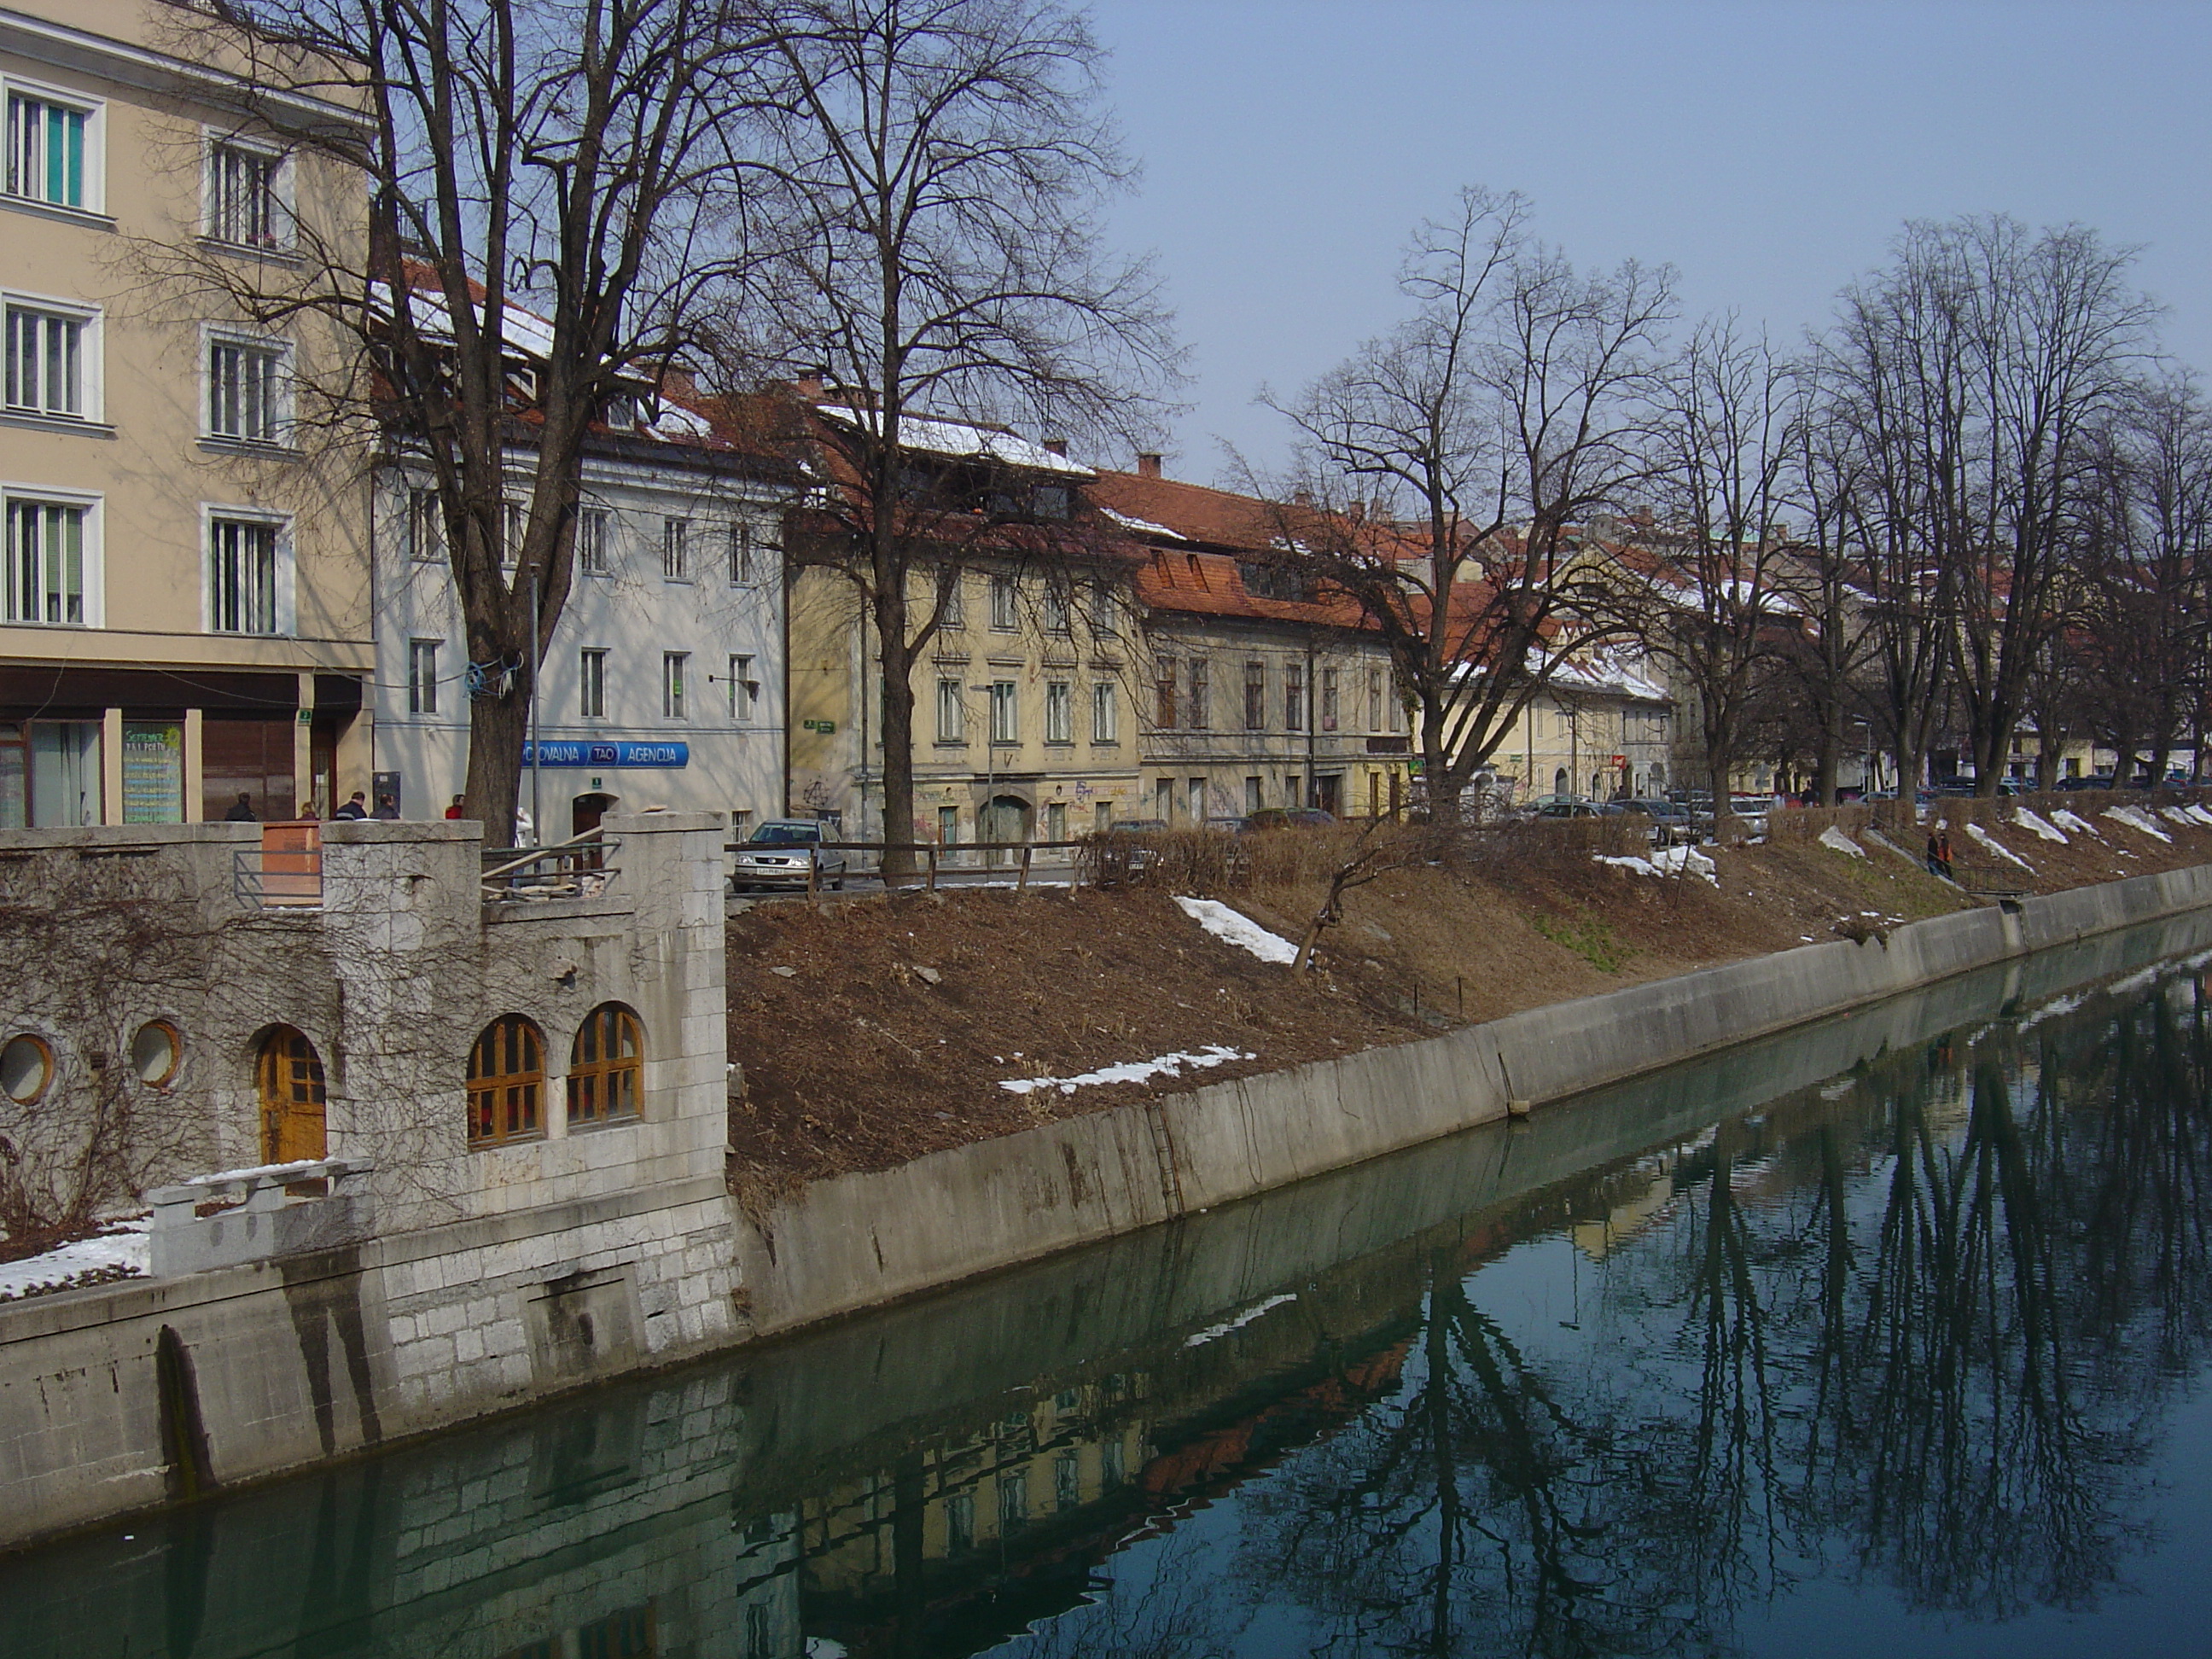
(781, 852)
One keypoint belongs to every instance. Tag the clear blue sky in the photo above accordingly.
(1768, 151)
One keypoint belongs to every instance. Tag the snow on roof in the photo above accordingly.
(965, 438)
(1614, 673)
(525, 330)
(1143, 526)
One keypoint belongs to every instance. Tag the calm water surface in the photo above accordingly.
(1889, 1339)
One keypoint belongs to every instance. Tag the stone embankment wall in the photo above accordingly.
(117, 1397)
(490, 1273)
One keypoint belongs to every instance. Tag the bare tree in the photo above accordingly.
(1709, 587)
(2140, 637)
(554, 187)
(2053, 334)
(1448, 464)
(1893, 476)
(943, 164)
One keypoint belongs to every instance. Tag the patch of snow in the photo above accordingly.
(2051, 1010)
(1200, 1339)
(2039, 824)
(1143, 526)
(260, 1170)
(1982, 838)
(1131, 1070)
(2075, 822)
(2136, 981)
(1686, 860)
(122, 1247)
(2198, 815)
(1236, 928)
(1836, 838)
(2135, 818)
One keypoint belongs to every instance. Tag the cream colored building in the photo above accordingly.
(186, 609)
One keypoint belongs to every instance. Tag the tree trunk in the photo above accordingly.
(895, 657)
(498, 727)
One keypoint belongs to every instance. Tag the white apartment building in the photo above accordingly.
(664, 686)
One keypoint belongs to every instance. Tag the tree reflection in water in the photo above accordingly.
(1918, 1332)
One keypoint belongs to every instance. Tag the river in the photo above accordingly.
(1886, 1338)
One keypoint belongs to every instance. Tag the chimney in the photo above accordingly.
(810, 387)
(1148, 464)
(1301, 496)
(1056, 447)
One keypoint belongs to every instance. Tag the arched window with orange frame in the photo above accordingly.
(507, 1083)
(606, 1066)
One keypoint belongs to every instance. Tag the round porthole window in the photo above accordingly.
(156, 1052)
(27, 1067)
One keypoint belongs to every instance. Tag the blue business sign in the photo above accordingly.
(607, 753)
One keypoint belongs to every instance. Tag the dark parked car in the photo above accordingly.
(2094, 781)
(1671, 822)
(1291, 817)
(782, 852)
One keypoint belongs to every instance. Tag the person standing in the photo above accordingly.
(243, 813)
(386, 809)
(456, 810)
(357, 807)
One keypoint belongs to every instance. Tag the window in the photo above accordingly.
(606, 1067)
(591, 702)
(1200, 714)
(246, 390)
(745, 690)
(242, 204)
(1003, 616)
(426, 527)
(422, 676)
(671, 683)
(507, 1082)
(1375, 700)
(1256, 696)
(1294, 696)
(49, 150)
(512, 525)
(951, 713)
(1102, 816)
(49, 361)
(1004, 725)
(1105, 717)
(27, 1067)
(741, 555)
(1055, 820)
(1197, 796)
(948, 826)
(951, 603)
(1058, 609)
(1253, 795)
(1328, 678)
(243, 569)
(47, 556)
(592, 541)
(1059, 711)
(1163, 686)
(676, 549)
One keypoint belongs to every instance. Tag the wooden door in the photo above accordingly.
(290, 1075)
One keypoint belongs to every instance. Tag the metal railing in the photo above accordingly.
(285, 873)
(576, 868)
(934, 857)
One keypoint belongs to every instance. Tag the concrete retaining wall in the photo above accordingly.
(864, 1240)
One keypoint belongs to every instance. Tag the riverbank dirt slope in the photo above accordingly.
(871, 1031)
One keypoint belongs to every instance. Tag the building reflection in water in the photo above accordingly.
(1916, 1327)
